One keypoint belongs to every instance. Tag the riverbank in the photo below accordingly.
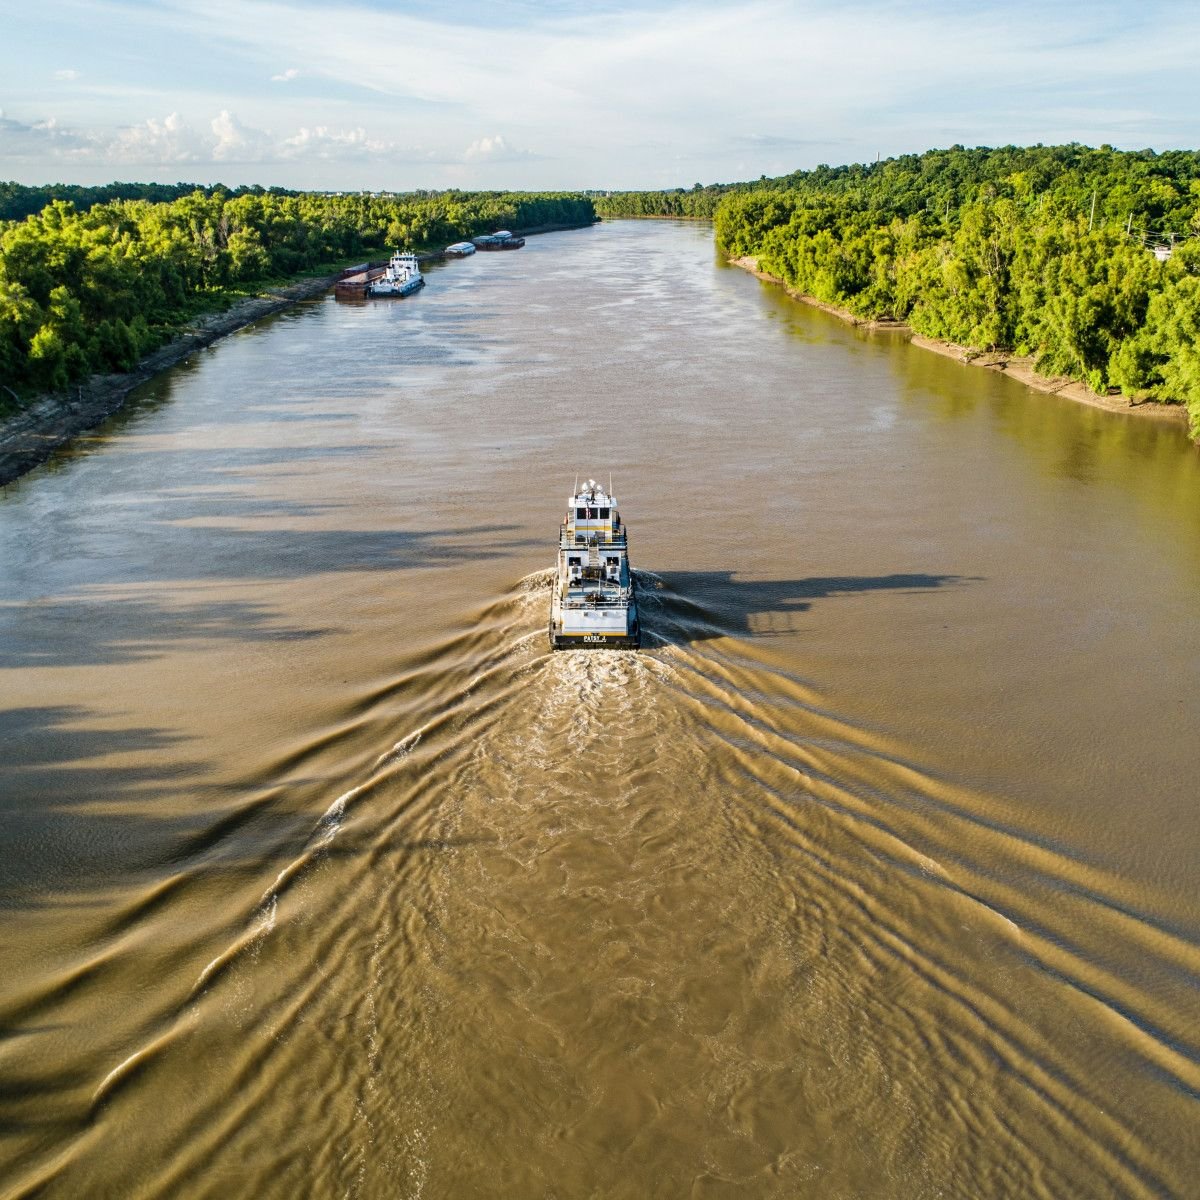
(1018, 367)
(560, 227)
(32, 435)
(29, 437)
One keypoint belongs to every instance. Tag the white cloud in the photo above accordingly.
(170, 140)
(595, 88)
(67, 74)
(23, 140)
(728, 89)
(495, 149)
(325, 143)
(155, 142)
(236, 142)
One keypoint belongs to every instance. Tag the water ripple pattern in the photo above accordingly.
(873, 874)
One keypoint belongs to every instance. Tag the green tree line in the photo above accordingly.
(1039, 250)
(94, 290)
(699, 202)
(18, 201)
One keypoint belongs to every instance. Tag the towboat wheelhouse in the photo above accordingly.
(593, 602)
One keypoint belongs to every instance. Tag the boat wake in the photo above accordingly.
(564, 882)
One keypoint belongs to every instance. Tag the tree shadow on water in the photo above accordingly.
(76, 631)
(77, 798)
(95, 816)
(696, 606)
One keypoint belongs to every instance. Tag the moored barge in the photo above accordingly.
(356, 281)
(502, 239)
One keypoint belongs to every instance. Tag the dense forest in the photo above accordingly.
(85, 291)
(696, 202)
(1045, 251)
(18, 201)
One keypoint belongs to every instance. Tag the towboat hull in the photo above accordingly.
(404, 289)
(593, 639)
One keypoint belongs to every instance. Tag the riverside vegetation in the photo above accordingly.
(94, 290)
(1040, 251)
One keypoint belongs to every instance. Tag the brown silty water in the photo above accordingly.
(874, 874)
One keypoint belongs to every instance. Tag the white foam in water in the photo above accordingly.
(331, 821)
(404, 747)
(266, 924)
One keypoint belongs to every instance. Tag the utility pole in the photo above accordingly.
(1093, 216)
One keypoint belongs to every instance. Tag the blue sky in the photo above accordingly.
(515, 93)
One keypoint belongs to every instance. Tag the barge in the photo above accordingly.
(593, 604)
(502, 239)
(356, 281)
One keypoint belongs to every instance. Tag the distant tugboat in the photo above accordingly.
(402, 277)
(593, 602)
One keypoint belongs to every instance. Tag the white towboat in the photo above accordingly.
(402, 277)
(593, 603)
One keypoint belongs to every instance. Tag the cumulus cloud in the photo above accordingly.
(325, 143)
(173, 140)
(20, 139)
(495, 149)
(67, 74)
(636, 93)
(236, 142)
(720, 82)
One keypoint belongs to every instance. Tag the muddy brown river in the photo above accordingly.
(875, 874)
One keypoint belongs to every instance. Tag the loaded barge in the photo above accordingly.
(502, 239)
(356, 280)
(594, 602)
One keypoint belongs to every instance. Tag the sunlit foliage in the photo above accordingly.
(94, 290)
(1038, 250)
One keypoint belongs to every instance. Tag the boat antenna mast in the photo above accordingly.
(610, 485)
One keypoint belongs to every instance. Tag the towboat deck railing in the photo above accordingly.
(583, 600)
(567, 542)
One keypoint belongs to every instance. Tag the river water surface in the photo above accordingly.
(875, 874)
